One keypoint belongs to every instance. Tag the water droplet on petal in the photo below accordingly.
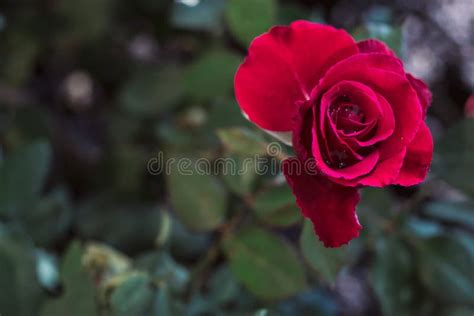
(341, 165)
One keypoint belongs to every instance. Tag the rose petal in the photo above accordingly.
(376, 46)
(418, 158)
(336, 150)
(330, 207)
(373, 105)
(385, 126)
(338, 169)
(373, 45)
(469, 106)
(423, 92)
(333, 148)
(361, 168)
(282, 67)
(385, 75)
(302, 124)
(358, 94)
(358, 129)
(384, 173)
(284, 137)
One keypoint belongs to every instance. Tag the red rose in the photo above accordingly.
(469, 106)
(351, 109)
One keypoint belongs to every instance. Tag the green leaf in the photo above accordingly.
(327, 262)
(102, 219)
(457, 311)
(422, 228)
(206, 15)
(277, 206)
(8, 301)
(133, 296)
(73, 14)
(30, 124)
(211, 75)
(22, 176)
(264, 263)
(6, 120)
(195, 141)
(224, 292)
(179, 138)
(289, 12)
(249, 18)
(20, 292)
(377, 210)
(467, 240)
(445, 267)
(152, 91)
(392, 277)
(50, 219)
(317, 301)
(223, 286)
(21, 49)
(187, 244)
(242, 141)
(226, 113)
(165, 230)
(461, 213)
(128, 167)
(163, 306)
(454, 158)
(163, 267)
(200, 201)
(121, 129)
(380, 201)
(200, 305)
(78, 298)
(239, 173)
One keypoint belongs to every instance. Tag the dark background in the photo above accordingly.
(91, 90)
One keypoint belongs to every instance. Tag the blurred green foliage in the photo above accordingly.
(91, 91)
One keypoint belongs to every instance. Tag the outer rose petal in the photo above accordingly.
(374, 46)
(385, 172)
(418, 158)
(423, 92)
(331, 207)
(282, 67)
(302, 125)
(469, 106)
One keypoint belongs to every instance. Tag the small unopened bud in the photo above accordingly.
(469, 106)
